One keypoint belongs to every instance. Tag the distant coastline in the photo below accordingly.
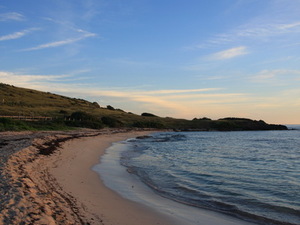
(293, 126)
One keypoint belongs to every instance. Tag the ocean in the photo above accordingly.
(251, 176)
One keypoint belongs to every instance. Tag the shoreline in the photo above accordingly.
(101, 204)
(59, 187)
(129, 186)
(55, 184)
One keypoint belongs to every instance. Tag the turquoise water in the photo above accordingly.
(254, 176)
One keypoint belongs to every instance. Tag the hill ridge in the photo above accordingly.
(75, 112)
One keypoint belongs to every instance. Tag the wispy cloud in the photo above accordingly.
(258, 30)
(266, 74)
(182, 91)
(11, 16)
(277, 77)
(17, 35)
(28, 80)
(229, 53)
(91, 9)
(289, 26)
(208, 62)
(264, 30)
(62, 42)
(75, 34)
(67, 25)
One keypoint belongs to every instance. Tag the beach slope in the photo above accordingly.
(54, 184)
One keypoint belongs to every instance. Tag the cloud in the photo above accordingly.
(29, 80)
(289, 26)
(66, 25)
(11, 16)
(68, 28)
(279, 76)
(154, 93)
(62, 42)
(17, 35)
(182, 91)
(229, 53)
(266, 30)
(91, 9)
(256, 30)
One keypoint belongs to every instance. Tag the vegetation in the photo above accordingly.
(148, 114)
(47, 111)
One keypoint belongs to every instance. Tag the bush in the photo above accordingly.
(81, 116)
(148, 124)
(203, 118)
(110, 107)
(83, 119)
(111, 122)
(87, 124)
(63, 112)
(148, 114)
(7, 124)
(96, 105)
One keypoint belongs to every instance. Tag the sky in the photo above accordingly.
(173, 58)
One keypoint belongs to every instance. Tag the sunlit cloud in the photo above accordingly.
(229, 53)
(11, 16)
(29, 80)
(17, 35)
(219, 96)
(182, 91)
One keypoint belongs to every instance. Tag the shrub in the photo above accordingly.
(148, 124)
(7, 124)
(87, 124)
(111, 122)
(81, 116)
(63, 112)
(148, 114)
(96, 105)
(110, 107)
(83, 119)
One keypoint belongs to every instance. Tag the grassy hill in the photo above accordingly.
(66, 113)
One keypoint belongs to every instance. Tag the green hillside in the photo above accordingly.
(65, 113)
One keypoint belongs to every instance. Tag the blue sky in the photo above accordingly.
(182, 59)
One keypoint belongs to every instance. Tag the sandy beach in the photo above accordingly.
(47, 178)
(55, 184)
